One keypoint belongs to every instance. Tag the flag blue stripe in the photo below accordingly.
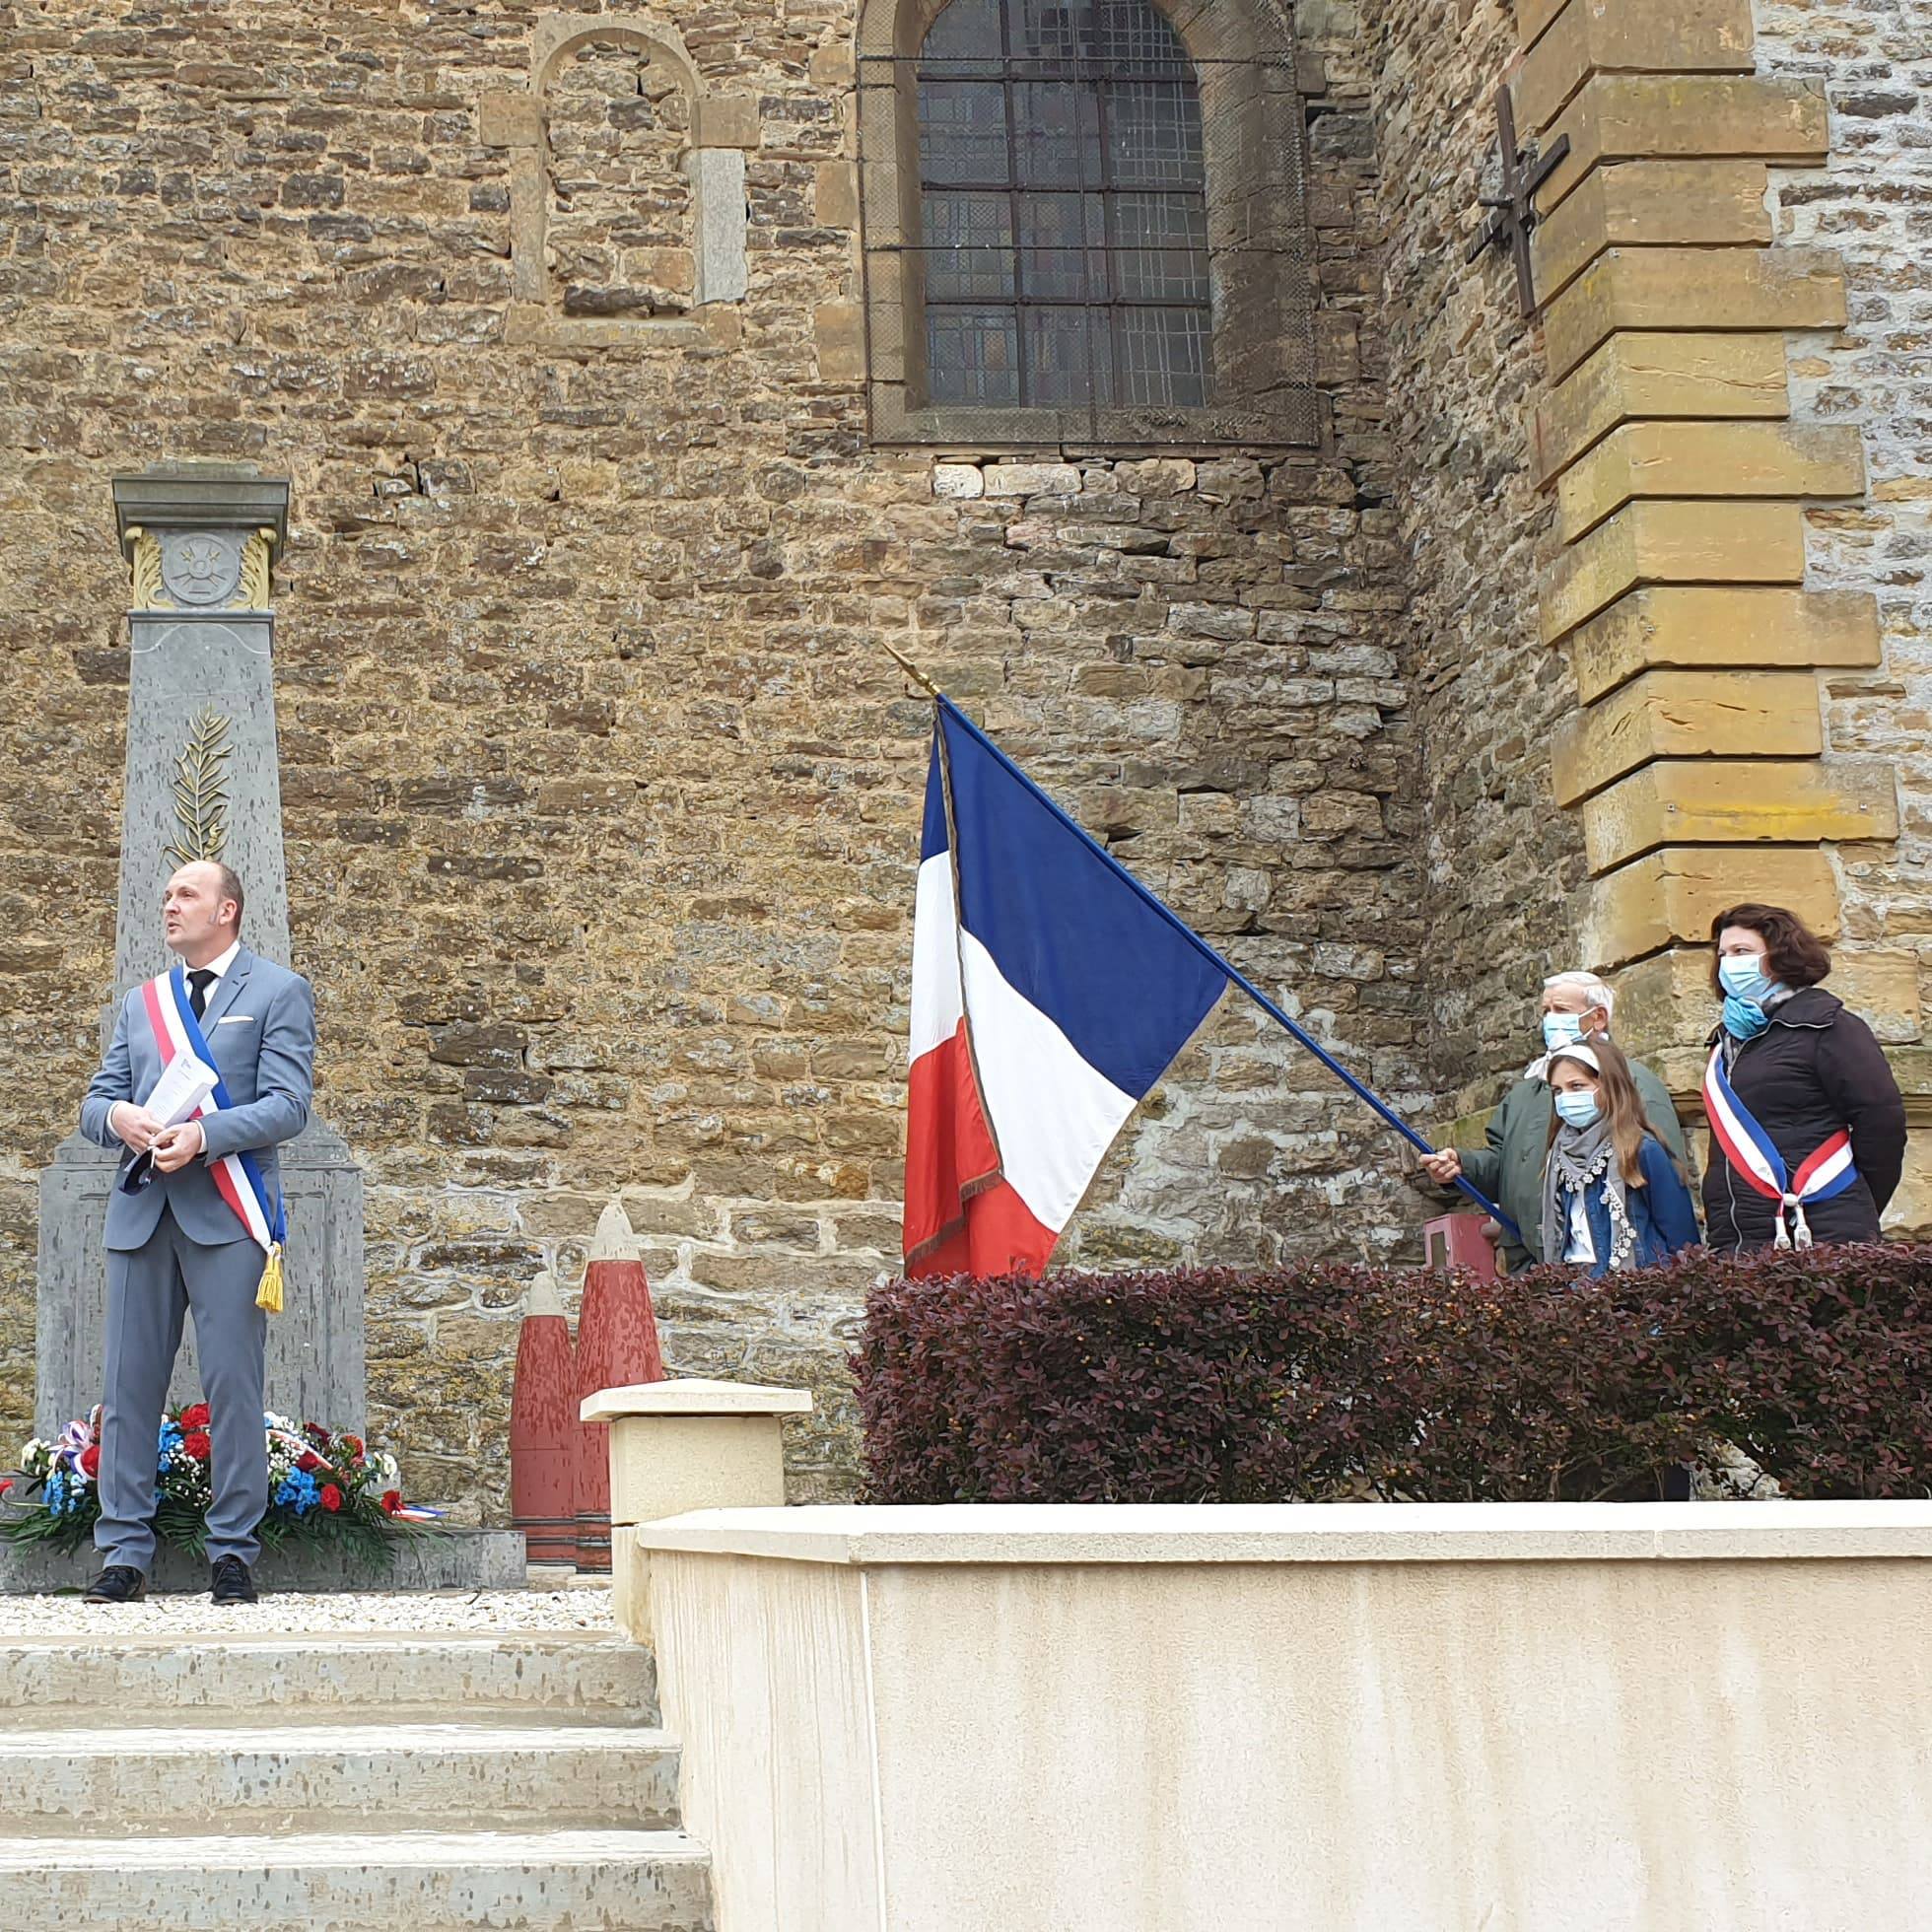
(1066, 931)
(933, 835)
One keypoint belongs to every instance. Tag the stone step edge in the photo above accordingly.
(452, 1736)
(346, 1850)
(64, 1720)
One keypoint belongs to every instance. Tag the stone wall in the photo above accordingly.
(1871, 204)
(600, 801)
(1465, 369)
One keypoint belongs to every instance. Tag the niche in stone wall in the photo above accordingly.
(627, 196)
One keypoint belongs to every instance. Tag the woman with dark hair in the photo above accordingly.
(1613, 1193)
(1808, 1126)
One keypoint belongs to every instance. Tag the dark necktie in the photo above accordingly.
(200, 981)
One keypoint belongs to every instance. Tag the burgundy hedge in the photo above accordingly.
(1215, 1385)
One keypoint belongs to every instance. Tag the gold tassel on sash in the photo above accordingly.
(269, 1294)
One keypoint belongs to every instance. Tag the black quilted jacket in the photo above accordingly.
(1816, 1069)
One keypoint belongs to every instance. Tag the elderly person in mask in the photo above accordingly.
(1576, 1011)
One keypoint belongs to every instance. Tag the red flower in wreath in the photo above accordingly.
(308, 1460)
(5, 1483)
(197, 1445)
(195, 1416)
(331, 1497)
(392, 1501)
(90, 1460)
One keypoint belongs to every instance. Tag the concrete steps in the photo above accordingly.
(351, 1782)
(348, 1882)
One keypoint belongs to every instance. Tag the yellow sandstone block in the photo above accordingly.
(1640, 116)
(1692, 289)
(1694, 625)
(1648, 204)
(1666, 1001)
(1673, 895)
(1686, 714)
(1532, 18)
(1650, 37)
(1739, 801)
(1642, 373)
(1670, 542)
(1709, 459)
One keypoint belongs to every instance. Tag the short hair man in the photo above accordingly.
(1576, 1006)
(175, 1241)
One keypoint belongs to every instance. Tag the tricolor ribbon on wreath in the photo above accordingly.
(237, 1177)
(1826, 1172)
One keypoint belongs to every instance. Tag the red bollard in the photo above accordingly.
(1458, 1241)
(543, 1430)
(616, 1345)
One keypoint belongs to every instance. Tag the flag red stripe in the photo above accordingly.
(999, 1237)
(949, 1148)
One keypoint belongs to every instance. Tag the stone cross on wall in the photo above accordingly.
(203, 780)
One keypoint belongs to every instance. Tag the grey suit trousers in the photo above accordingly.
(150, 1289)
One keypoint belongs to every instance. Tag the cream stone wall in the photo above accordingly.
(1336, 1717)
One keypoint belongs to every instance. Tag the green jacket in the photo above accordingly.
(1509, 1170)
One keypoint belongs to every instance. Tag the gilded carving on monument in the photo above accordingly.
(201, 570)
(201, 790)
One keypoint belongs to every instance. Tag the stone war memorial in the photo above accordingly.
(1440, 489)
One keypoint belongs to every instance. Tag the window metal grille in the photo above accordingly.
(1082, 228)
(1063, 207)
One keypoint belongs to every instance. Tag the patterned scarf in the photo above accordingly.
(1579, 1156)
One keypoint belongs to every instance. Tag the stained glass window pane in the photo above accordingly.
(962, 131)
(1057, 134)
(1164, 356)
(1063, 196)
(1063, 247)
(974, 355)
(968, 30)
(1068, 354)
(969, 245)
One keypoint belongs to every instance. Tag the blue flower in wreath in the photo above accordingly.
(296, 1490)
(57, 1492)
(171, 1440)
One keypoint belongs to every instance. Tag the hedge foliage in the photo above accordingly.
(1317, 1380)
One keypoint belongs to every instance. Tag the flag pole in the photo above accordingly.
(1299, 1034)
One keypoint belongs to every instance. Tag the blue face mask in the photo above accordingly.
(1744, 1020)
(1743, 976)
(1577, 1109)
(1562, 1030)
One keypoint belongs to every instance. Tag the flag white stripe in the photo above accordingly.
(1053, 1115)
(937, 999)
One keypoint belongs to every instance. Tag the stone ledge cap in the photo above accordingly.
(202, 497)
(1299, 1533)
(697, 1395)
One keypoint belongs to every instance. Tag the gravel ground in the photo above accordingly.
(580, 1607)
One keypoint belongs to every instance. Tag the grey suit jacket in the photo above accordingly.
(260, 1028)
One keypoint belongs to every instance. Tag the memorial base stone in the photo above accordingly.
(460, 1560)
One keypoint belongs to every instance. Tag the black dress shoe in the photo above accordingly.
(118, 1583)
(229, 1582)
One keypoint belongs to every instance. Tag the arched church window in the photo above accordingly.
(1083, 223)
(1064, 206)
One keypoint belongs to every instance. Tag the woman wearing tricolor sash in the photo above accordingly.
(1808, 1126)
(1614, 1196)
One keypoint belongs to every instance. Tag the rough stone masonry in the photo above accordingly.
(600, 800)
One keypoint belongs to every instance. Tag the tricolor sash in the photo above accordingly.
(1826, 1172)
(237, 1177)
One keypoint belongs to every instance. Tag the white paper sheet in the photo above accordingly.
(184, 1083)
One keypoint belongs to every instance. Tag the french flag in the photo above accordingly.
(1050, 992)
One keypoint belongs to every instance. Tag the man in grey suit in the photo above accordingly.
(174, 1244)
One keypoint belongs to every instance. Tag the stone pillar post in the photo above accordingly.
(1681, 477)
(682, 1445)
(203, 775)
